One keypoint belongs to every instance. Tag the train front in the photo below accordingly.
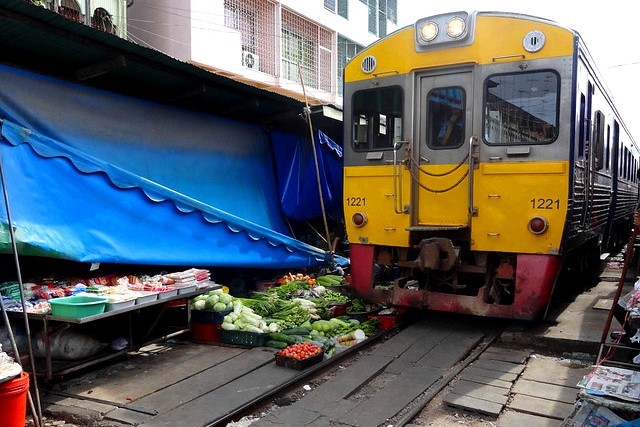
(456, 166)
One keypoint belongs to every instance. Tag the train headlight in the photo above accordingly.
(359, 219)
(456, 27)
(429, 31)
(538, 225)
(447, 29)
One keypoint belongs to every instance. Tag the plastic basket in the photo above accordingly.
(361, 315)
(168, 293)
(112, 306)
(77, 306)
(205, 332)
(243, 338)
(146, 296)
(387, 321)
(289, 362)
(208, 316)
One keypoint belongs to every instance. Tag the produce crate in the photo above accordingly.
(111, 306)
(146, 296)
(168, 294)
(186, 289)
(361, 315)
(243, 338)
(387, 321)
(208, 316)
(290, 362)
(338, 308)
(78, 306)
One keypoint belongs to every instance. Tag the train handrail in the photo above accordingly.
(472, 157)
(397, 181)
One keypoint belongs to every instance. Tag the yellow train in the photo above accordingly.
(483, 156)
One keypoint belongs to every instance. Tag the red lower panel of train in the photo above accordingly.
(535, 277)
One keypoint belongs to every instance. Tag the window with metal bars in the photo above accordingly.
(296, 49)
(341, 7)
(243, 20)
(347, 49)
(379, 12)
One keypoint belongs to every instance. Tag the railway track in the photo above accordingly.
(387, 379)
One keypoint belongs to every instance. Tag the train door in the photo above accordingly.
(444, 123)
(583, 173)
(589, 152)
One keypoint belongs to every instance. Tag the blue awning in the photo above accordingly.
(97, 177)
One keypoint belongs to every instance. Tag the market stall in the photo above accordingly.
(307, 319)
(130, 306)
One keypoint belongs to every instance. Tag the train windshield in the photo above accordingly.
(446, 118)
(377, 118)
(521, 108)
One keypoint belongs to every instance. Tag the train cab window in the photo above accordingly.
(446, 117)
(521, 108)
(377, 118)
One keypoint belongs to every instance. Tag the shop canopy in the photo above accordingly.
(94, 176)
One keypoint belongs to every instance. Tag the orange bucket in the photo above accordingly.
(13, 401)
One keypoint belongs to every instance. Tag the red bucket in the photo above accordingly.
(13, 401)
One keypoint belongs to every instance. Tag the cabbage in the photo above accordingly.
(211, 301)
(199, 305)
(219, 306)
(228, 326)
(225, 298)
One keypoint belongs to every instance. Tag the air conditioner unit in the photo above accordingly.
(250, 60)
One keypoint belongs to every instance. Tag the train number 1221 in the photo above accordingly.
(356, 201)
(541, 203)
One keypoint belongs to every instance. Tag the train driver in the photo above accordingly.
(452, 130)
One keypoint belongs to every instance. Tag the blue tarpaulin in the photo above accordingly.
(298, 180)
(97, 177)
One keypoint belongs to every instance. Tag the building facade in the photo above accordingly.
(266, 43)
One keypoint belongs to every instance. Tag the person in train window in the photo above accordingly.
(452, 130)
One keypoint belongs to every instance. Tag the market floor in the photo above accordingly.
(130, 391)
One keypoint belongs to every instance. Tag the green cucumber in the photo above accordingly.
(299, 330)
(276, 344)
(279, 336)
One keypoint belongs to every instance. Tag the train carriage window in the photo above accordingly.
(445, 118)
(607, 148)
(598, 139)
(377, 118)
(521, 108)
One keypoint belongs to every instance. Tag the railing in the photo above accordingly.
(106, 15)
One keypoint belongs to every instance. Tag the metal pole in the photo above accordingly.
(37, 412)
(307, 112)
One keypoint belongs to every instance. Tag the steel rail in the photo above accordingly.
(333, 360)
(439, 385)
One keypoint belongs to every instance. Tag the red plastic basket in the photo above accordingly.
(387, 321)
(289, 362)
(206, 332)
